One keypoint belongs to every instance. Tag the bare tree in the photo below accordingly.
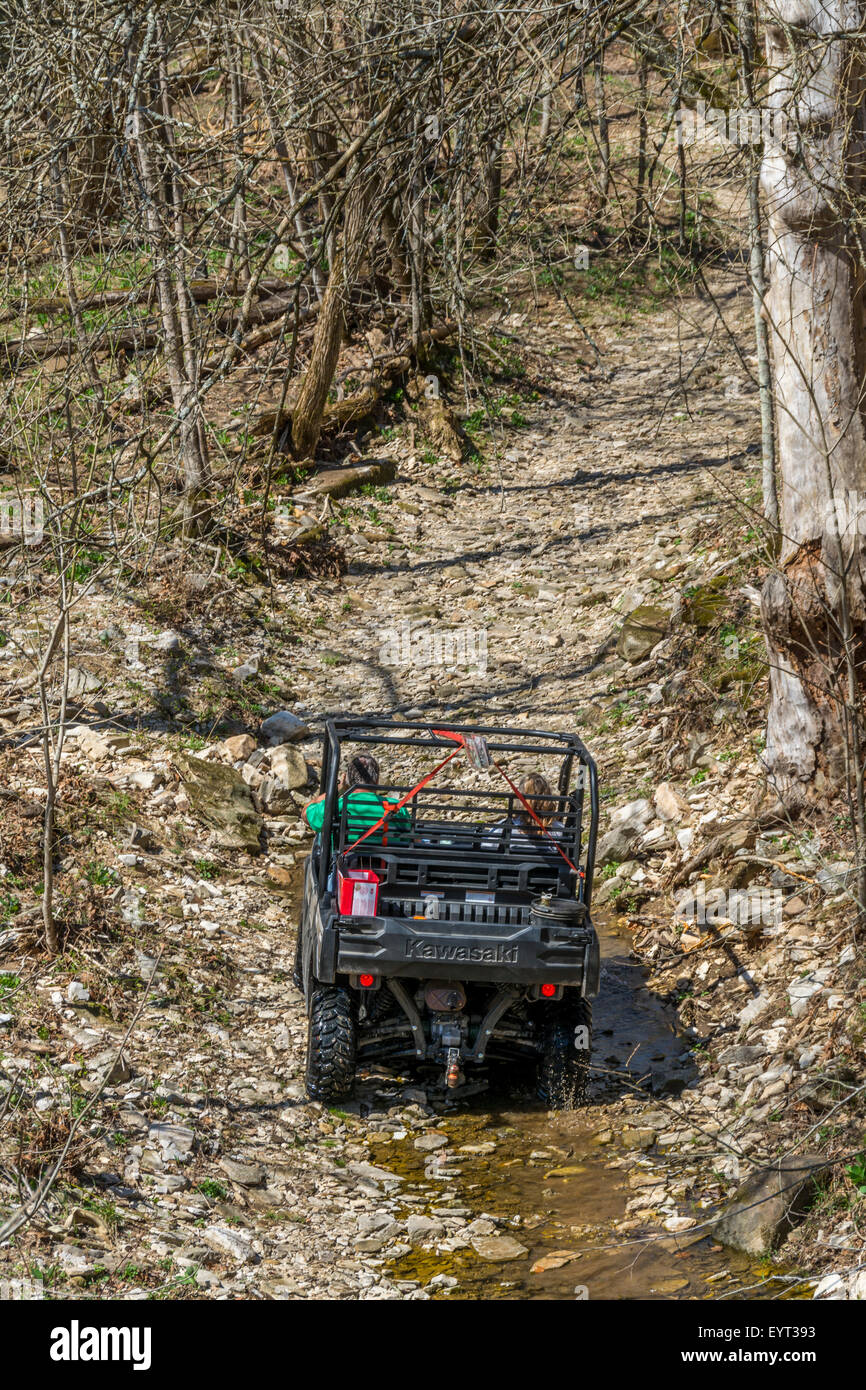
(814, 604)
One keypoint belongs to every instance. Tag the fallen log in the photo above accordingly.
(337, 482)
(200, 292)
(273, 330)
(39, 346)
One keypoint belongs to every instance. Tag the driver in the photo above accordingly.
(364, 806)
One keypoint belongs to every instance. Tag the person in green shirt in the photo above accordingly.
(364, 806)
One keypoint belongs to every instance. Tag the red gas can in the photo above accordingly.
(357, 892)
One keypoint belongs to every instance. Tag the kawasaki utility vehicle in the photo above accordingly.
(456, 931)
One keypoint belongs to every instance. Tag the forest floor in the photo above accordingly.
(199, 1169)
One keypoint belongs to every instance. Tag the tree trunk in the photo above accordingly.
(282, 150)
(488, 226)
(328, 338)
(603, 130)
(180, 356)
(546, 112)
(640, 210)
(814, 604)
(757, 275)
(330, 326)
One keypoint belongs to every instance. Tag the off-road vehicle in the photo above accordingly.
(456, 932)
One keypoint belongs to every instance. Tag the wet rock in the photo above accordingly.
(414, 1095)
(221, 798)
(429, 1143)
(638, 1138)
(555, 1260)
(770, 1203)
(680, 1223)
(498, 1248)
(421, 1229)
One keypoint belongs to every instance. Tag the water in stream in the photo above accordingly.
(555, 1176)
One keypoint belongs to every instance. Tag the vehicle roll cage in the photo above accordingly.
(540, 743)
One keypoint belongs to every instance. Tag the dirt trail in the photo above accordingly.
(541, 555)
(216, 1170)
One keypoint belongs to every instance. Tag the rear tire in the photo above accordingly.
(563, 1071)
(331, 1045)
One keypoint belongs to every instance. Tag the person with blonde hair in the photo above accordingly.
(526, 831)
(539, 794)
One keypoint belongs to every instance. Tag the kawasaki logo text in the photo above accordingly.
(434, 950)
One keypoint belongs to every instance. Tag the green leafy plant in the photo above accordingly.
(100, 874)
(857, 1173)
(208, 1187)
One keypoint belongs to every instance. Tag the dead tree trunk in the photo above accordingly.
(488, 227)
(814, 603)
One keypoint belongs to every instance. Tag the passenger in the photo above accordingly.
(364, 807)
(526, 832)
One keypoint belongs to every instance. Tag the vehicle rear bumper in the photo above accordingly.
(391, 947)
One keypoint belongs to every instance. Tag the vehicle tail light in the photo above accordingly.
(366, 981)
(548, 991)
(357, 892)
